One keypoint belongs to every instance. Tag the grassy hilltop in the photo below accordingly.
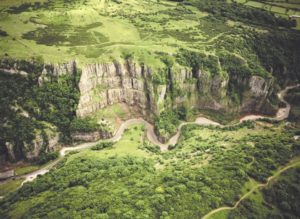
(104, 30)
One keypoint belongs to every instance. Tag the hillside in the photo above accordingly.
(148, 108)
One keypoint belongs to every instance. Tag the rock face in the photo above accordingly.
(10, 150)
(91, 136)
(46, 142)
(146, 89)
(106, 84)
(7, 174)
(200, 90)
(45, 139)
(256, 97)
(56, 70)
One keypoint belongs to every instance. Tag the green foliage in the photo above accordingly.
(11, 186)
(57, 102)
(282, 195)
(102, 145)
(46, 157)
(199, 61)
(25, 104)
(166, 123)
(86, 124)
(284, 57)
(168, 61)
(150, 147)
(65, 35)
(222, 9)
(160, 77)
(207, 169)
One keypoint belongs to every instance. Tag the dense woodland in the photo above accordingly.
(130, 186)
(280, 200)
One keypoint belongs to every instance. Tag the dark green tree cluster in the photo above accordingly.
(166, 123)
(222, 9)
(102, 145)
(198, 61)
(25, 104)
(86, 124)
(280, 199)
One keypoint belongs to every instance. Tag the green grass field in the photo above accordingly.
(26, 169)
(97, 30)
(10, 186)
(129, 145)
(210, 166)
(101, 31)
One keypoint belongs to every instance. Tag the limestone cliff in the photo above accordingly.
(44, 141)
(106, 84)
(137, 86)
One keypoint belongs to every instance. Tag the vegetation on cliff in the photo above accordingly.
(27, 105)
(293, 97)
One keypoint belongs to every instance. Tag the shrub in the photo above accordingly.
(46, 157)
(102, 145)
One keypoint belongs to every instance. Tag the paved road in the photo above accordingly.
(282, 113)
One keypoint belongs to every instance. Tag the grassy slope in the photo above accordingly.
(104, 30)
(115, 34)
(10, 186)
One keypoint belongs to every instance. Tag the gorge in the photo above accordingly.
(149, 109)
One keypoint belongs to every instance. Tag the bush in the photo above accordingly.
(84, 125)
(102, 145)
(44, 158)
(166, 123)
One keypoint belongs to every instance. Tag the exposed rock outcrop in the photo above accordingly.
(45, 138)
(255, 99)
(91, 136)
(106, 84)
(199, 89)
(10, 150)
(102, 85)
(56, 70)
(7, 174)
(44, 142)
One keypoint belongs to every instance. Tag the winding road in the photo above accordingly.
(282, 114)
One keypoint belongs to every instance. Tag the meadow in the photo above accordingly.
(103, 30)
